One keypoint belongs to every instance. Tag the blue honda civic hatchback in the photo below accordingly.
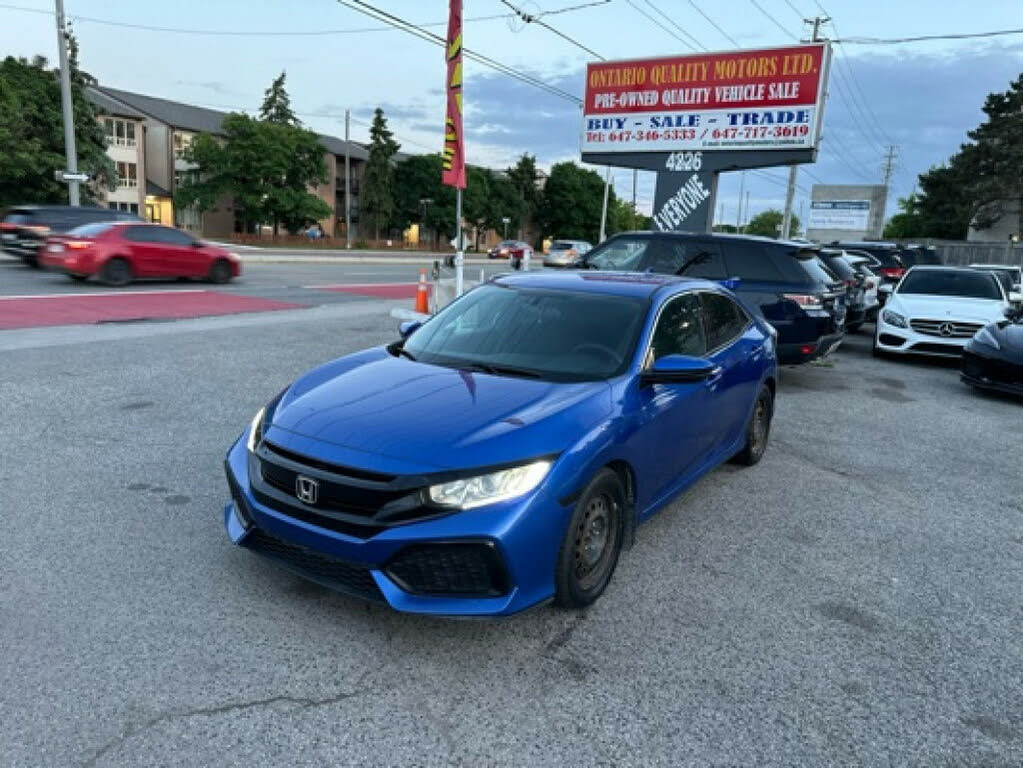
(502, 454)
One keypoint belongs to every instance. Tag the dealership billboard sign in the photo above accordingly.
(839, 214)
(692, 117)
(762, 99)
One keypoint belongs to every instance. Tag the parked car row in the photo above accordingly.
(115, 247)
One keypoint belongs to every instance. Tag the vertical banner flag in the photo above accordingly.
(454, 146)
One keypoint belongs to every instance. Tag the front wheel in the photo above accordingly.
(220, 272)
(592, 543)
(758, 429)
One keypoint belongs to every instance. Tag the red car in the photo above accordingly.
(509, 249)
(119, 252)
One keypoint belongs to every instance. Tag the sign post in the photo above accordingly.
(692, 117)
(453, 161)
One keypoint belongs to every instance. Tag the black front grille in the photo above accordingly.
(891, 340)
(456, 568)
(351, 578)
(949, 350)
(354, 502)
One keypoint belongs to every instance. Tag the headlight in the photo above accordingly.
(894, 318)
(476, 491)
(256, 430)
(984, 336)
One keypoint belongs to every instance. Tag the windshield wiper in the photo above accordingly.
(501, 370)
(699, 258)
(398, 348)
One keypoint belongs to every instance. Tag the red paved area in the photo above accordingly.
(78, 309)
(377, 290)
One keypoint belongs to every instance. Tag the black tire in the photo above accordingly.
(589, 552)
(220, 271)
(77, 278)
(758, 430)
(32, 261)
(116, 272)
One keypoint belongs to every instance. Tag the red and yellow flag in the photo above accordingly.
(454, 145)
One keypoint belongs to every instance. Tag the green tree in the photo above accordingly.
(377, 200)
(420, 197)
(32, 135)
(277, 104)
(623, 217)
(523, 177)
(768, 224)
(572, 201)
(266, 166)
(977, 182)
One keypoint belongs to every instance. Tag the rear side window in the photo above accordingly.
(140, 234)
(839, 266)
(560, 246)
(18, 217)
(91, 230)
(680, 329)
(723, 319)
(711, 266)
(172, 236)
(816, 269)
(751, 261)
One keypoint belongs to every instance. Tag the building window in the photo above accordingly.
(120, 133)
(128, 207)
(182, 141)
(127, 175)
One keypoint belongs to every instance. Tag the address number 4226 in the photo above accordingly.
(684, 161)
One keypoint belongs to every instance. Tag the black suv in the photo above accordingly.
(785, 282)
(24, 228)
(888, 263)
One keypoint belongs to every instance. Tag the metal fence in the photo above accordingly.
(960, 253)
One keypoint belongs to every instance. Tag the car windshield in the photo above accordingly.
(816, 268)
(1004, 276)
(620, 253)
(965, 283)
(17, 217)
(562, 245)
(550, 335)
(91, 230)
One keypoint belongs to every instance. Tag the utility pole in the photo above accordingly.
(348, 180)
(790, 192)
(71, 154)
(745, 212)
(603, 210)
(738, 208)
(634, 174)
(887, 169)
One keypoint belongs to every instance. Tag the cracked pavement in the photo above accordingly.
(855, 599)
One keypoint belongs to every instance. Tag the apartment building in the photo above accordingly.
(125, 132)
(169, 127)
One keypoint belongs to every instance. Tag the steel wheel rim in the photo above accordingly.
(595, 535)
(758, 438)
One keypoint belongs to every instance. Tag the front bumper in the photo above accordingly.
(559, 260)
(489, 561)
(892, 339)
(989, 372)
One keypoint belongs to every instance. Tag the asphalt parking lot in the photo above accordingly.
(854, 599)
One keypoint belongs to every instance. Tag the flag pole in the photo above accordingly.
(459, 250)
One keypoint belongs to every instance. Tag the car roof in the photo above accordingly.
(722, 236)
(637, 284)
(995, 266)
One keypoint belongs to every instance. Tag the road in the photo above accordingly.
(854, 599)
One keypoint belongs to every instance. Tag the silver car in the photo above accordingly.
(563, 253)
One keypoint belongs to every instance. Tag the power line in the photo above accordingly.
(412, 29)
(673, 23)
(773, 20)
(656, 23)
(795, 10)
(922, 38)
(243, 33)
(714, 24)
(535, 19)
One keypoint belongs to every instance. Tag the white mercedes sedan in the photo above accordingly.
(936, 310)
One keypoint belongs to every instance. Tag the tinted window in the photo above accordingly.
(837, 264)
(710, 266)
(18, 217)
(559, 336)
(90, 230)
(172, 236)
(561, 246)
(680, 328)
(816, 269)
(952, 282)
(751, 261)
(723, 319)
(1004, 276)
(141, 234)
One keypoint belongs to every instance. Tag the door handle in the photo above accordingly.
(714, 376)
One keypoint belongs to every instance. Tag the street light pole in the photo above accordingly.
(348, 181)
(70, 153)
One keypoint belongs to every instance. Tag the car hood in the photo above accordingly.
(378, 412)
(1009, 336)
(947, 307)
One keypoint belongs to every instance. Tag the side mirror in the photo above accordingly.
(198, 243)
(678, 369)
(1013, 313)
(731, 283)
(885, 288)
(408, 327)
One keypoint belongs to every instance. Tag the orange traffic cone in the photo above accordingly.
(422, 295)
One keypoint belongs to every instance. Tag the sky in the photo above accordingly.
(921, 97)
